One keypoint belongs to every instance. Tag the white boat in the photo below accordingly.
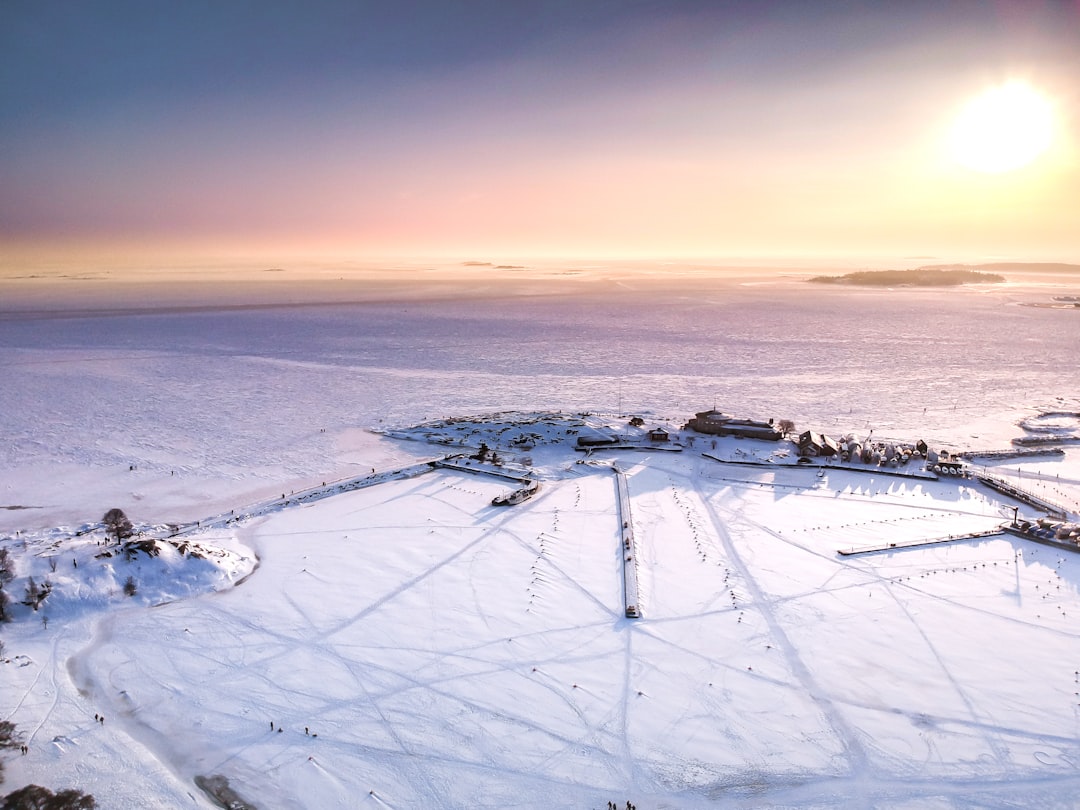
(515, 497)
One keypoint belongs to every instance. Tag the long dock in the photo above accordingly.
(866, 469)
(454, 463)
(905, 544)
(307, 496)
(450, 462)
(1013, 491)
(629, 547)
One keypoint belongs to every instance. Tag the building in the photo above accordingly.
(817, 444)
(659, 435)
(593, 437)
(720, 424)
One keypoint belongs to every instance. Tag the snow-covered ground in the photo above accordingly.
(420, 647)
(417, 646)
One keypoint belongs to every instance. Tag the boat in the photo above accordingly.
(515, 497)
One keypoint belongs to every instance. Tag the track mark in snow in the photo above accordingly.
(411, 583)
(992, 743)
(846, 735)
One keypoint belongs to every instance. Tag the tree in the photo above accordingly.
(7, 573)
(8, 739)
(36, 594)
(35, 797)
(786, 427)
(129, 586)
(7, 567)
(72, 799)
(117, 524)
(31, 797)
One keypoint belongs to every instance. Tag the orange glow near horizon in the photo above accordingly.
(686, 134)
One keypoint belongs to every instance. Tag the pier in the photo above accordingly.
(308, 496)
(455, 463)
(865, 469)
(1013, 491)
(905, 544)
(629, 547)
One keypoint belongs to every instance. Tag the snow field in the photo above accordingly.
(417, 628)
(439, 651)
(928, 653)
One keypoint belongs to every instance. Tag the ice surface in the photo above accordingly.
(453, 654)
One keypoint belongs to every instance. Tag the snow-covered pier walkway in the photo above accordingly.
(629, 549)
(455, 463)
(1010, 489)
(829, 466)
(904, 544)
(310, 495)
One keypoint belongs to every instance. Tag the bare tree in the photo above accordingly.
(786, 427)
(8, 736)
(36, 594)
(7, 567)
(7, 573)
(117, 524)
(129, 586)
(8, 739)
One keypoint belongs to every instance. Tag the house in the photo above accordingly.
(658, 435)
(720, 424)
(817, 444)
(592, 437)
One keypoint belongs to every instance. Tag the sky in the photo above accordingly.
(542, 128)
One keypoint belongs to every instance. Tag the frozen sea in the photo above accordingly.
(454, 655)
(251, 381)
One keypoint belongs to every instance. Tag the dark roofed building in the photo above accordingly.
(720, 424)
(817, 444)
(593, 437)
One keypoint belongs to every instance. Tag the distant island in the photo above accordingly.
(919, 277)
(1015, 267)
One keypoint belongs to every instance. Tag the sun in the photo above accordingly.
(1003, 128)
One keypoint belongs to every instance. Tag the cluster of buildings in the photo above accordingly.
(810, 444)
(892, 454)
(1050, 532)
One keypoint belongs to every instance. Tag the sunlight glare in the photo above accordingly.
(1002, 129)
